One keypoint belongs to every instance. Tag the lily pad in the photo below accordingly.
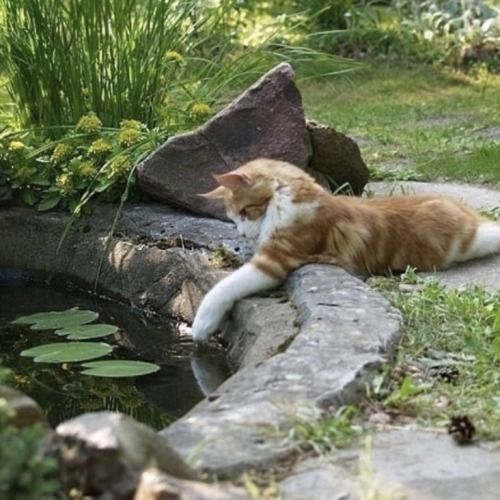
(84, 332)
(67, 352)
(119, 368)
(33, 318)
(63, 319)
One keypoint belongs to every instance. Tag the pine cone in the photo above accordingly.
(448, 373)
(461, 428)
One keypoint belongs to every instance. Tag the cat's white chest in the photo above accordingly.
(282, 213)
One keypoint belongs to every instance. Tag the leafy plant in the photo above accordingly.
(462, 29)
(24, 473)
(406, 391)
(89, 161)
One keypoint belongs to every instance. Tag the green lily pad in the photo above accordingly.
(67, 352)
(84, 332)
(66, 320)
(119, 368)
(34, 318)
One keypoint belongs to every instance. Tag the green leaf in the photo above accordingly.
(39, 181)
(67, 352)
(104, 185)
(119, 368)
(34, 318)
(57, 319)
(48, 202)
(29, 197)
(407, 390)
(85, 332)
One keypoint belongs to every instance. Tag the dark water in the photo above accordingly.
(157, 399)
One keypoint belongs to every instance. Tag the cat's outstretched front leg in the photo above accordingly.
(247, 280)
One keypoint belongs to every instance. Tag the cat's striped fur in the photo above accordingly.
(295, 221)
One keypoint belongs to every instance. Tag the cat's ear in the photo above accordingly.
(215, 194)
(234, 180)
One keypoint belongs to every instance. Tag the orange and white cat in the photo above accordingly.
(295, 222)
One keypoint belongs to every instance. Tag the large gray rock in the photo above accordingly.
(478, 197)
(413, 465)
(337, 157)
(25, 411)
(106, 453)
(259, 328)
(156, 485)
(267, 120)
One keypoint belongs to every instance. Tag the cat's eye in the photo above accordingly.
(252, 211)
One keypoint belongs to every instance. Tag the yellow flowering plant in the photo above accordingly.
(89, 161)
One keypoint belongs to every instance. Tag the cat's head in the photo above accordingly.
(249, 191)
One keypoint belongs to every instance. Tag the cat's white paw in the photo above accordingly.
(208, 319)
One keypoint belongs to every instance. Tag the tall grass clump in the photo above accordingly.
(148, 60)
(117, 58)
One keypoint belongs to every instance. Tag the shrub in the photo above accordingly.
(461, 29)
(24, 473)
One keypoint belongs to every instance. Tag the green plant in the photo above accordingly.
(24, 473)
(88, 161)
(336, 431)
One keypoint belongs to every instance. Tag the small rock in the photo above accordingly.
(337, 157)
(409, 288)
(155, 485)
(379, 418)
(106, 452)
(26, 411)
(266, 121)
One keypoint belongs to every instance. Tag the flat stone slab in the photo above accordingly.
(346, 332)
(478, 197)
(482, 272)
(400, 464)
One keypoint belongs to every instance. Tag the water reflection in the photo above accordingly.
(156, 399)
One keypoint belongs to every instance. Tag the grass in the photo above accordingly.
(416, 122)
(447, 332)
(333, 431)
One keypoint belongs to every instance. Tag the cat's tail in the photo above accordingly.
(486, 240)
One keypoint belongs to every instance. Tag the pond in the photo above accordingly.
(184, 378)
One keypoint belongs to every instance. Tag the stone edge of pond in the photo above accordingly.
(337, 333)
(346, 333)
